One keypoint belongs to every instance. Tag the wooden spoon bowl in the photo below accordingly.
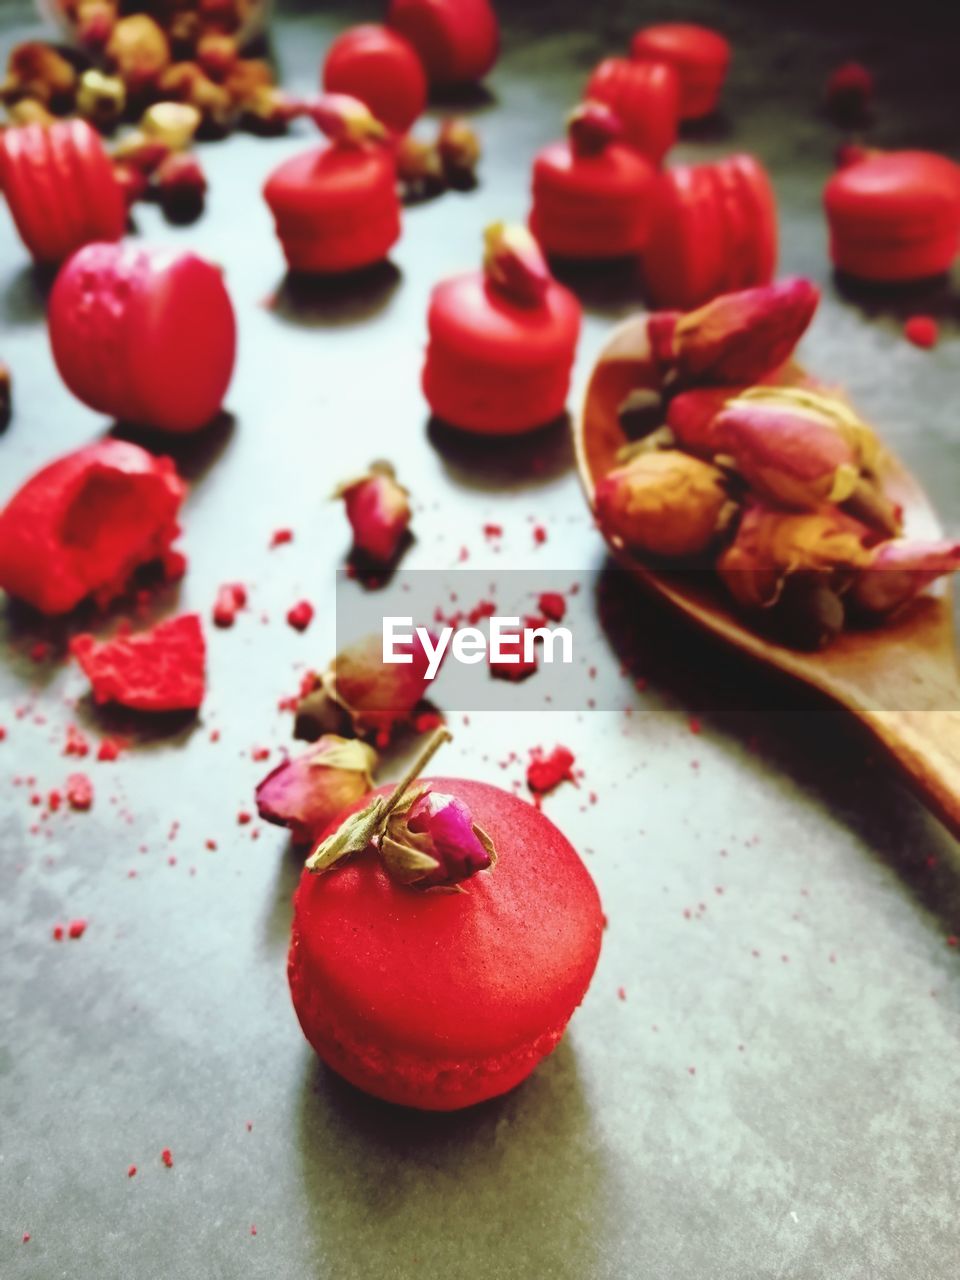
(900, 679)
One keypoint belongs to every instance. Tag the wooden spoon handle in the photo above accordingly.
(926, 746)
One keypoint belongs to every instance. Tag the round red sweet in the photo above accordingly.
(700, 55)
(382, 69)
(441, 1000)
(495, 366)
(715, 231)
(646, 97)
(144, 335)
(457, 40)
(336, 209)
(592, 206)
(60, 188)
(895, 216)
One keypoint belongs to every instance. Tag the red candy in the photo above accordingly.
(60, 187)
(439, 1000)
(701, 58)
(145, 335)
(499, 359)
(645, 96)
(715, 231)
(83, 524)
(157, 670)
(895, 216)
(337, 208)
(457, 40)
(380, 68)
(592, 196)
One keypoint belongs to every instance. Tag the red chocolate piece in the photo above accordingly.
(61, 188)
(145, 335)
(157, 670)
(382, 69)
(439, 1000)
(715, 231)
(592, 197)
(457, 40)
(701, 58)
(645, 96)
(82, 525)
(895, 216)
(336, 208)
(498, 362)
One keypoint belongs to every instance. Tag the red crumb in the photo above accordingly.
(76, 928)
(519, 668)
(464, 555)
(249, 1126)
(280, 536)
(3, 733)
(301, 615)
(546, 772)
(26, 1237)
(694, 725)
(54, 801)
(40, 651)
(539, 534)
(493, 530)
(109, 749)
(161, 669)
(230, 599)
(79, 792)
(922, 331)
(166, 1155)
(259, 753)
(132, 1171)
(243, 817)
(621, 993)
(253, 1231)
(552, 605)
(76, 744)
(427, 721)
(953, 940)
(58, 933)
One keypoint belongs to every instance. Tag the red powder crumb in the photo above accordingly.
(132, 1171)
(259, 753)
(3, 733)
(280, 536)
(243, 817)
(922, 331)
(58, 933)
(953, 940)
(54, 800)
(621, 993)
(231, 598)
(692, 1070)
(546, 772)
(552, 605)
(40, 651)
(253, 1231)
(518, 669)
(211, 845)
(301, 615)
(166, 1155)
(493, 530)
(539, 534)
(26, 1237)
(694, 725)
(427, 721)
(76, 744)
(214, 735)
(76, 928)
(79, 792)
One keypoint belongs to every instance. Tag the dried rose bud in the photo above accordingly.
(246, 77)
(268, 110)
(459, 151)
(346, 121)
(306, 793)
(181, 188)
(141, 152)
(134, 183)
(831, 411)
(514, 265)
(36, 70)
(379, 512)
(29, 111)
(217, 54)
(740, 337)
(101, 99)
(664, 503)
(139, 51)
(591, 127)
(6, 397)
(318, 713)
(378, 695)
(419, 167)
(94, 24)
(899, 570)
(172, 123)
(434, 841)
(770, 545)
(692, 415)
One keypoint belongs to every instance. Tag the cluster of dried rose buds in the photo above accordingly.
(741, 463)
(427, 166)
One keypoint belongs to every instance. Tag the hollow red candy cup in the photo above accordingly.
(714, 231)
(382, 69)
(145, 335)
(439, 1000)
(336, 208)
(646, 97)
(457, 40)
(82, 525)
(895, 216)
(700, 56)
(60, 187)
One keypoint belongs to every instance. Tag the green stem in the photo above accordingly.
(436, 740)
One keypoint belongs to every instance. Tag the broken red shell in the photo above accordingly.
(306, 793)
(379, 513)
(82, 525)
(157, 670)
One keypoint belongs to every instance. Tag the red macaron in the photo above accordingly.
(593, 196)
(646, 97)
(437, 999)
(382, 69)
(715, 231)
(147, 336)
(701, 57)
(894, 216)
(60, 187)
(457, 40)
(501, 342)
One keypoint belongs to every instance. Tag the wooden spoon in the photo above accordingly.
(899, 679)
